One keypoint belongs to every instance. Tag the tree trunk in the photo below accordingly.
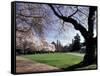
(90, 56)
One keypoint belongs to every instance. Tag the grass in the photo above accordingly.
(60, 60)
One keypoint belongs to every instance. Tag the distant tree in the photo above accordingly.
(53, 43)
(76, 43)
(65, 48)
(58, 46)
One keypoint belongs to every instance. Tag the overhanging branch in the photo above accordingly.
(74, 12)
(55, 11)
(76, 25)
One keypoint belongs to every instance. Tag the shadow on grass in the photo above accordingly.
(80, 66)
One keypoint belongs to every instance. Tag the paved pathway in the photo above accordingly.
(24, 65)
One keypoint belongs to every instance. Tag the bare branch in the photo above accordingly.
(80, 21)
(54, 11)
(74, 12)
(82, 12)
(59, 11)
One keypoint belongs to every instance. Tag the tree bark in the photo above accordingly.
(90, 56)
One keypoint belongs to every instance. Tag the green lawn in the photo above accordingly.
(60, 60)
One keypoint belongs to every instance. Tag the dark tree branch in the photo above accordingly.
(82, 23)
(55, 11)
(74, 12)
(59, 11)
(76, 25)
(77, 11)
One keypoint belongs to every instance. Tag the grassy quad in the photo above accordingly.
(60, 60)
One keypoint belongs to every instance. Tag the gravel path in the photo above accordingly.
(24, 65)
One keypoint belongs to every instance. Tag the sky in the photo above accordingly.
(53, 24)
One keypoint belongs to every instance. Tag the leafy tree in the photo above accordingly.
(76, 43)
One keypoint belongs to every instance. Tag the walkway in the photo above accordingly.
(24, 65)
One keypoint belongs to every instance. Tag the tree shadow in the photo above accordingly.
(77, 66)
